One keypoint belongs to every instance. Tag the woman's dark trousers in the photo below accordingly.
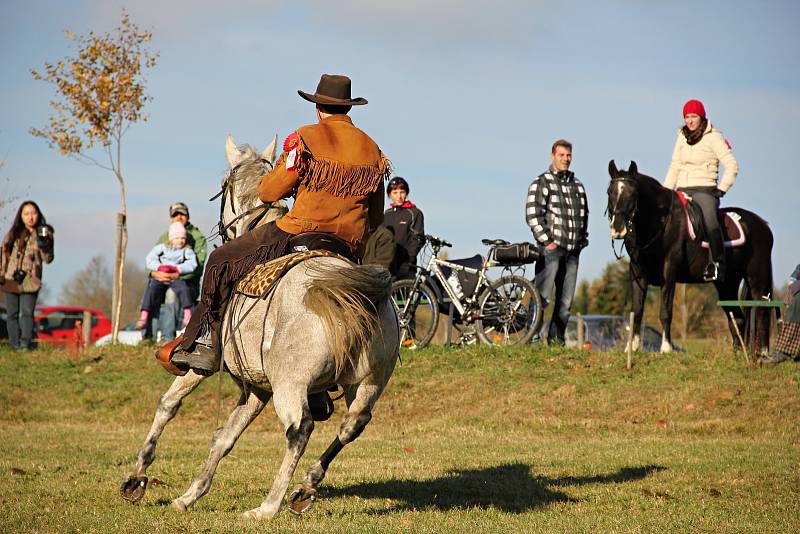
(20, 308)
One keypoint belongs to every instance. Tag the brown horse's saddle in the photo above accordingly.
(729, 221)
(262, 278)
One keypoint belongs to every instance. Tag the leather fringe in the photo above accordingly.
(340, 179)
(227, 274)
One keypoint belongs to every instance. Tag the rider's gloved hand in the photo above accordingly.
(719, 193)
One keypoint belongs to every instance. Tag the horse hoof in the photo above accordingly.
(301, 500)
(178, 505)
(133, 488)
(257, 514)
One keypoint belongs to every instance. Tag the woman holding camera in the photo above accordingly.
(25, 248)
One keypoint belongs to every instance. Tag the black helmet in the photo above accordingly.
(398, 182)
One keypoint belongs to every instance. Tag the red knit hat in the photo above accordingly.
(694, 107)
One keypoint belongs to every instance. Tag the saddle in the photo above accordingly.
(261, 279)
(259, 282)
(729, 222)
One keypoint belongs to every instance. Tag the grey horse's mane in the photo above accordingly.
(248, 176)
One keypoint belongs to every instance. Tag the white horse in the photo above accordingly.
(327, 322)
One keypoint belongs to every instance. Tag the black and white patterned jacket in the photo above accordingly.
(557, 210)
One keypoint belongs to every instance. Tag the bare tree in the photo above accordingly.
(92, 287)
(101, 93)
(6, 200)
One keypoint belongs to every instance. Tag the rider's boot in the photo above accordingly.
(203, 358)
(715, 270)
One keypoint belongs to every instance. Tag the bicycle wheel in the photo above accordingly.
(417, 313)
(510, 312)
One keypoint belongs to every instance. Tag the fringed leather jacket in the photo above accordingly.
(335, 173)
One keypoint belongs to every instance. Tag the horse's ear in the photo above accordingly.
(612, 169)
(269, 152)
(232, 152)
(633, 170)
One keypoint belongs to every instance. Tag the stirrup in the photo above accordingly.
(711, 271)
(320, 405)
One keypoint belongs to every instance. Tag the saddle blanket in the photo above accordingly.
(732, 231)
(262, 278)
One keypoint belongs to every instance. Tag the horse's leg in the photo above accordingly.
(759, 279)
(135, 484)
(360, 401)
(638, 295)
(249, 406)
(291, 405)
(667, 297)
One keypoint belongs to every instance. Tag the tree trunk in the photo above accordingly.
(121, 239)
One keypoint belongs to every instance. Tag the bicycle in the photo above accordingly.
(506, 311)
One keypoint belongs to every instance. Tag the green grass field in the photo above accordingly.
(464, 440)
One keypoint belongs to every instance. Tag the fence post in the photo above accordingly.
(581, 331)
(87, 328)
(629, 346)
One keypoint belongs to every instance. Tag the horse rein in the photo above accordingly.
(227, 186)
(629, 226)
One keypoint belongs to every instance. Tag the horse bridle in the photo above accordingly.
(629, 226)
(227, 186)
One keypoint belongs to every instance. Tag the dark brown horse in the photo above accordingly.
(652, 221)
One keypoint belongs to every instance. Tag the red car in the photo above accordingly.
(55, 325)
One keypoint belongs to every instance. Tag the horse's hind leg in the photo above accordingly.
(250, 405)
(360, 402)
(292, 409)
(760, 284)
(135, 484)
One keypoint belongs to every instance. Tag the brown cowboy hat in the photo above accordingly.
(333, 90)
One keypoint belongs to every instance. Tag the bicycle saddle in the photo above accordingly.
(495, 242)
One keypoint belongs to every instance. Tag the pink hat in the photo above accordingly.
(177, 229)
(694, 107)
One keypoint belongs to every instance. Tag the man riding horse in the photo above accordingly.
(335, 172)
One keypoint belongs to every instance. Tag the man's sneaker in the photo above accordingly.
(774, 358)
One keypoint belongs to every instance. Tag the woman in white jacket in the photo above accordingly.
(694, 170)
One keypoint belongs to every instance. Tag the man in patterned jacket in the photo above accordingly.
(558, 214)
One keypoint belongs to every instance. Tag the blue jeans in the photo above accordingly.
(171, 314)
(20, 308)
(168, 318)
(557, 269)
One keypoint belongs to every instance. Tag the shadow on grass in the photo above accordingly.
(509, 488)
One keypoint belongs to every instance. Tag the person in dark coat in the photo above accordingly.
(788, 344)
(406, 222)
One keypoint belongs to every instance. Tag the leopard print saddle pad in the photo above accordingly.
(262, 278)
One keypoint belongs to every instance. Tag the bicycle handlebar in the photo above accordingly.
(437, 242)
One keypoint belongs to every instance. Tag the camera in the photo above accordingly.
(19, 275)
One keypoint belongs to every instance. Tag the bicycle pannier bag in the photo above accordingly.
(516, 253)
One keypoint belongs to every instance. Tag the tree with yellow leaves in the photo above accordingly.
(101, 93)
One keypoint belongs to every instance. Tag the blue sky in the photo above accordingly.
(466, 98)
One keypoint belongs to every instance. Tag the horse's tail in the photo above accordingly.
(348, 300)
